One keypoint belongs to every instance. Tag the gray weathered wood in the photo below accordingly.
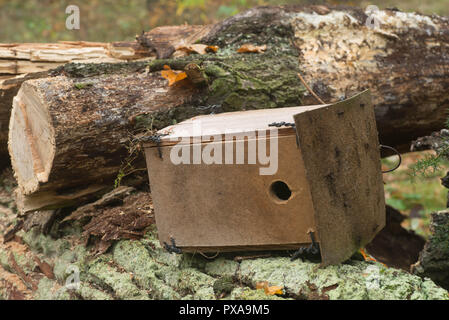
(340, 149)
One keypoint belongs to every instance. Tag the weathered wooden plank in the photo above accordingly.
(340, 148)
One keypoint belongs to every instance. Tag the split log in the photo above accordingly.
(62, 137)
(34, 57)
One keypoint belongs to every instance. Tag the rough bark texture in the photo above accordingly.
(140, 269)
(434, 259)
(340, 148)
(404, 63)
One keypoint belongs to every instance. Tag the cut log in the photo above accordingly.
(8, 89)
(396, 246)
(77, 137)
(59, 138)
(20, 62)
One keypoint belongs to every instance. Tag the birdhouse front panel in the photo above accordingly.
(212, 207)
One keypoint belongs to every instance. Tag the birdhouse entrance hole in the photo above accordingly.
(280, 191)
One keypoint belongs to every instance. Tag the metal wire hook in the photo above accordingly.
(397, 153)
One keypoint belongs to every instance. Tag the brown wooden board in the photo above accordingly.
(340, 149)
(230, 206)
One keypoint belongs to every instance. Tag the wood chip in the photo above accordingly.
(250, 48)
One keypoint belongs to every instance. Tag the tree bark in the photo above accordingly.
(433, 259)
(404, 63)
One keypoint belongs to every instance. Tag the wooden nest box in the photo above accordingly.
(216, 185)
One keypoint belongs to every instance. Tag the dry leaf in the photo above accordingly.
(212, 49)
(197, 48)
(269, 290)
(252, 48)
(261, 285)
(172, 76)
(322, 10)
(273, 290)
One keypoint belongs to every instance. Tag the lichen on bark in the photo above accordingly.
(142, 269)
(433, 260)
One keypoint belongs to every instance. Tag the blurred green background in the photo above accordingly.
(118, 20)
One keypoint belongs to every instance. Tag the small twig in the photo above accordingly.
(211, 257)
(257, 256)
(310, 89)
(28, 281)
(9, 235)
